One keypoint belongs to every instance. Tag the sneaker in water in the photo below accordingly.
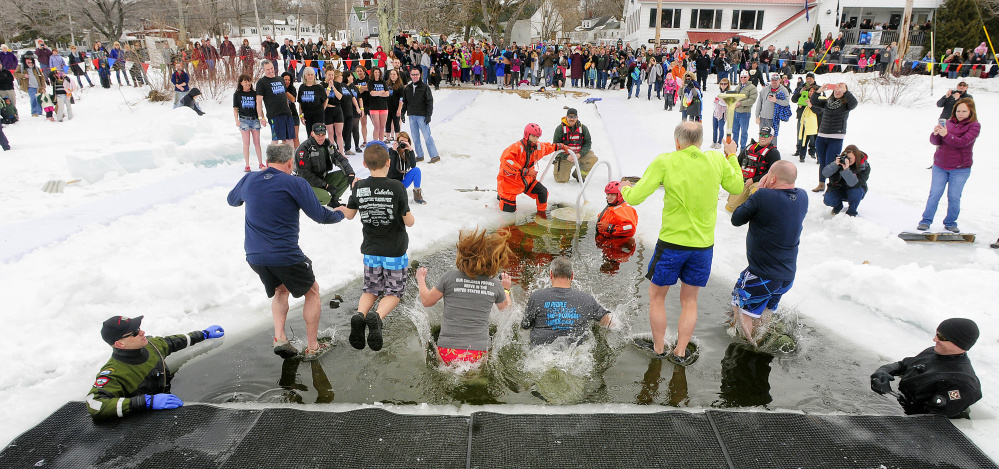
(374, 322)
(284, 349)
(309, 355)
(687, 359)
(356, 337)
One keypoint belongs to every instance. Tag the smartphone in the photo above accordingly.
(942, 122)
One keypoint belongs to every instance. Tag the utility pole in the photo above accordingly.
(298, 22)
(903, 38)
(72, 35)
(659, 21)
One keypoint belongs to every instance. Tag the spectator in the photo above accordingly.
(78, 65)
(116, 58)
(955, 142)
(404, 169)
(31, 80)
(771, 103)
(418, 104)
(244, 107)
(833, 114)
(947, 101)
(848, 176)
(743, 109)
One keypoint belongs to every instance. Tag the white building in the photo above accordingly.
(546, 24)
(278, 28)
(772, 22)
(602, 30)
(363, 22)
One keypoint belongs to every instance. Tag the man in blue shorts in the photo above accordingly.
(775, 214)
(273, 96)
(273, 198)
(690, 208)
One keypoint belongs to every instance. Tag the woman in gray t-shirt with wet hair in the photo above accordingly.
(469, 293)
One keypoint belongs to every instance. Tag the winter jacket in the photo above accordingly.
(765, 108)
(517, 172)
(417, 100)
(401, 163)
(947, 103)
(313, 161)
(43, 54)
(654, 73)
(808, 124)
(954, 151)
(855, 175)
(935, 384)
(8, 60)
(22, 82)
(834, 113)
(124, 381)
(745, 105)
(6, 80)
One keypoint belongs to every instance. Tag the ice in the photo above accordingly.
(161, 241)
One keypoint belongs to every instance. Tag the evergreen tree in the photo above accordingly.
(958, 25)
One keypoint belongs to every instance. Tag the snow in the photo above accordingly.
(147, 230)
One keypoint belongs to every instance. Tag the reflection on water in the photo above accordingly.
(605, 368)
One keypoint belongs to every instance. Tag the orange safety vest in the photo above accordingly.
(622, 221)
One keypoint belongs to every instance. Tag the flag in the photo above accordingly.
(145, 66)
(321, 63)
(837, 13)
(915, 64)
(110, 62)
(294, 63)
(806, 11)
(95, 63)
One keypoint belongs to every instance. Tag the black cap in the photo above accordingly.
(961, 332)
(117, 326)
(319, 129)
(766, 132)
(571, 113)
(809, 74)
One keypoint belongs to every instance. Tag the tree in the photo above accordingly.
(958, 23)
(494, 10)
(106, 16)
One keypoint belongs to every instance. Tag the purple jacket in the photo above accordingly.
(8, 60)
(955, 150)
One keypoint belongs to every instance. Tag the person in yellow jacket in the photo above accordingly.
(690, 209)
(808, 128)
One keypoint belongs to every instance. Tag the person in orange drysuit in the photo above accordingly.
(616, 225)
(518, 174)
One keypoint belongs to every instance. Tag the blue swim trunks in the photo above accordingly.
(692, 267)
(752, 295)
(282, 128)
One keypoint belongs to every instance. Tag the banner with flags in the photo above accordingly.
(110, 62)
(321, 64)
(145, 66)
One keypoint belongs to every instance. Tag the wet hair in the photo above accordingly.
(971, 107)
(689, 133)
(375, 157)
(239, 81)
(561, 268)
(480, 254)
(278, 153)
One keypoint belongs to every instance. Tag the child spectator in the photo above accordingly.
(477, 71)
(500, 73)
(385, 214)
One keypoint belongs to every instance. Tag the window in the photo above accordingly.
(747, 19)
(671, 18)
(705, 19)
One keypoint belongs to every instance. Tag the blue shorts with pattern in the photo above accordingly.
(752, 295)
(385, 275)
(248, 124)
(283, 127)
(692, 267)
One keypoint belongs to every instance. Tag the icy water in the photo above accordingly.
(819, 376)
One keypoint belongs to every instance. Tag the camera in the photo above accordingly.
(843, 158)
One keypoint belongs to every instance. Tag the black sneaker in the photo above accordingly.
(356, 337)
(952, 229)
(923, 227)
(995, 245)
(374, 322)
(687, 359)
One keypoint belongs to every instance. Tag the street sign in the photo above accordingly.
(665, 41)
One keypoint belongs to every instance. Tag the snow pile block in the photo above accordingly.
(124, 158)
(199, 435)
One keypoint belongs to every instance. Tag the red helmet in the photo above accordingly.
(614, 187)
(532, 129)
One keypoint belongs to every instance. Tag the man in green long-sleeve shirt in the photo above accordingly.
(686, 239)
(136, 378)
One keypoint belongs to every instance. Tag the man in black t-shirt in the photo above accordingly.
(274, 97)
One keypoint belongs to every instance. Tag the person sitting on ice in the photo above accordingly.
(136, 378)
(320, 163)
(940, 380)
(576, 136)
(618, 219)
(560, 311)
(518, 174)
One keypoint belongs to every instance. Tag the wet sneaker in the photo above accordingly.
(687, 359)
(284, 349)
(356, 337)
(374, 331)
(309, 355)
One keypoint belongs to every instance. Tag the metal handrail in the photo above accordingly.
(551, 162)
(586, 182)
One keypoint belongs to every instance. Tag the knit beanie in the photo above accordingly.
(961, 332)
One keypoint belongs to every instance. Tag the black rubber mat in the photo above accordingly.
(758, 439)
(664, 439)
(196, 436)
(356, 439)
(191, 436)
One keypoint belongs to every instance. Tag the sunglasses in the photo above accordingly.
(941, 338)
(134, 333)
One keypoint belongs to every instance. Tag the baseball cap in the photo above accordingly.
(117, 326)
(319, 128)
(571, 113)
(743, 74)
(766, 132)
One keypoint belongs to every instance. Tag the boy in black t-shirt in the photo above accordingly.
(384, 208)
